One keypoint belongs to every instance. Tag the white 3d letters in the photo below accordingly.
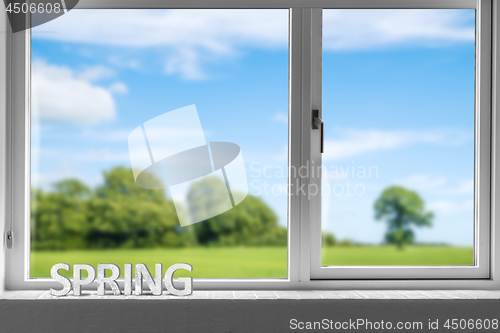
(59, 278)
(188, 281)
(77, 277)
(102, 279)
(141, 272)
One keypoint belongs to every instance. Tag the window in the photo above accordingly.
(238, 79)
(220, 76)
(402, 136)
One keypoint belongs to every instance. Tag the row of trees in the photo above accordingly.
(119, 214)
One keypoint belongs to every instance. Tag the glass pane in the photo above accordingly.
(150, 130)
(398, 167)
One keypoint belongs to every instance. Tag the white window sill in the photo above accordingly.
(278, 294)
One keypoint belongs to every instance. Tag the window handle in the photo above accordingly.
(10, 239)
(316, 124)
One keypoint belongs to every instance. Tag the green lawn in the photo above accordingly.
(207, 262)
(248, 262)
(390, 255)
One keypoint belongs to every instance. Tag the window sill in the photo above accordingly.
(269, 294)
(237, 311)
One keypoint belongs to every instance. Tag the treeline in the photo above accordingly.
(120, 214)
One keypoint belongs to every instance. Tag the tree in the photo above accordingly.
(73, 188)
(401, 208)
(251, 222)
(119, 183)
(118, 214)
(59, 219)
(328, 239)
(122, 214)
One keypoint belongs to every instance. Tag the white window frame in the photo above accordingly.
(304, 226)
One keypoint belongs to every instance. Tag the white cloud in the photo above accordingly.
(354, 142)
(465, 186)
(282, 155)
(90, 154)
(281, 117)
(449, 207)
(46, 179)
(342, 216)
(61, 95)
(121, 135)
(191, 38)
(122, 61)
(115, 135)
(438, 184)
(185, 62)
(119, 88)
(96, 73)
(358, 29)
(422, 182)
(217, 30)
(103, 155)
(171, 133)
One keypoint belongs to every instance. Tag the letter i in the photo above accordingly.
(128, 279)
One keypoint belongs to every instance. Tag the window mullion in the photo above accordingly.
(305, 148)
(315, 144)
(300, 142)
(294, 156)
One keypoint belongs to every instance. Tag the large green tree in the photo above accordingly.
(251, 222)
(121, 214)
(401, 209)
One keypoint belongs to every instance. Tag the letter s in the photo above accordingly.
(54, 273)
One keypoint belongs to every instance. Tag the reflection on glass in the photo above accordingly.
(398, 167)
(120, 175)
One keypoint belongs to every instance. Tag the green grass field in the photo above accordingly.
(390, 255)
(248, 262)
(207, 262)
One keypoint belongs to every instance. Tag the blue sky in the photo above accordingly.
(397, 94)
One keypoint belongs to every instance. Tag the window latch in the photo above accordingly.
(10, 239)
(316, 124)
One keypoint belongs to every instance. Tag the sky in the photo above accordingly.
(398, 100)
